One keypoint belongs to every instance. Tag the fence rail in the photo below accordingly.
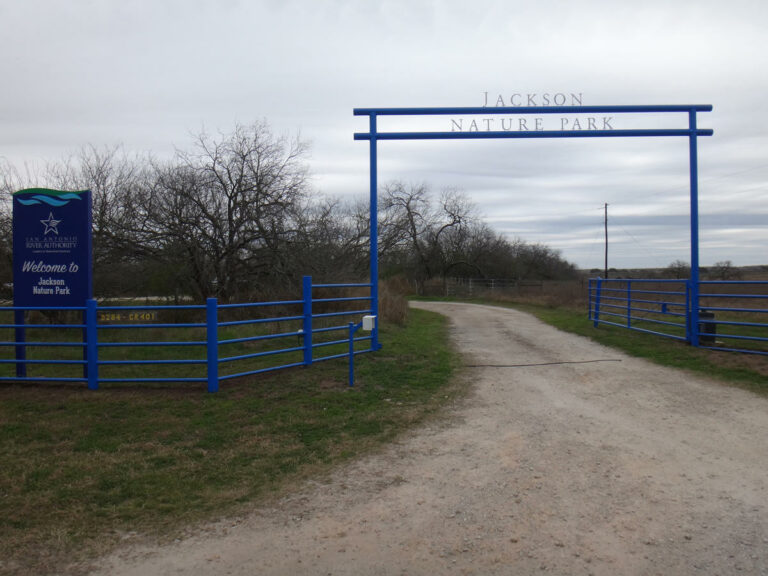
(732, 315)
(196, 343)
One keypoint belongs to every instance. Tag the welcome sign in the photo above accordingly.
(52, 254)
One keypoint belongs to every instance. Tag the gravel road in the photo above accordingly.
(567, 458)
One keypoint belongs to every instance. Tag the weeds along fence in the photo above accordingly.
(554, 292)
(732, 315)
(478, 287)
(205, 344)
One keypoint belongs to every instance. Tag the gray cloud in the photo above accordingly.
(148, 73)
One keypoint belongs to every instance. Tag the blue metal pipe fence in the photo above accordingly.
(107, 342)
(715, 314)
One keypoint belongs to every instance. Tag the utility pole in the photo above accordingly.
(606, 239)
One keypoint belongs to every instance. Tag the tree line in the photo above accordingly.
(235, 217)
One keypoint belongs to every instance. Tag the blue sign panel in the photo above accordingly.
(52, 263)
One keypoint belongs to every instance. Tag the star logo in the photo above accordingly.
(51, 225)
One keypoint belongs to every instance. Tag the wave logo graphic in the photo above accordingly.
(50, 200)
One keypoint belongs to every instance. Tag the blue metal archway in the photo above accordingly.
(692, 132)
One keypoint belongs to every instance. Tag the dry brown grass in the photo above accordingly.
(569, 294)
(393, 301)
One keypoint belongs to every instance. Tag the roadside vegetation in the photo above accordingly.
(81, 471)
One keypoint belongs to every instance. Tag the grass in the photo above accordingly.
(81, 470)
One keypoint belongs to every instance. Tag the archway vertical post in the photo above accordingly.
(694, 280)
(374, 234)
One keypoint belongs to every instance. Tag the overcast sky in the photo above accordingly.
(148, 73)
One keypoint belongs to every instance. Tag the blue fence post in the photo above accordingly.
(629, 303)
(688, 313)
(597, 301)
(352, 329)
(212, 343)
(92, 343)
(307, 323)
(21, 349)
(694, 176)
(84, 316)
(351, 354)
(374, 231)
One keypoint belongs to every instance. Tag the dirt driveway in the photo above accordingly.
(568, 458)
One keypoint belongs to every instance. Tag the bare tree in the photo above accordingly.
(115, 181)
(725, 270)
(429, 236)
(11, 180)
(110, 176)
(331, 241)
(679, 269)
(424, 240)
(455, 224)
(405, 224)
(227, 206)
(8, 184)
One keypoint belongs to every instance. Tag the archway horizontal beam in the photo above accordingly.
(533, 110)
(482, 135)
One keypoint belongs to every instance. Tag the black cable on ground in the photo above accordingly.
(541, 364)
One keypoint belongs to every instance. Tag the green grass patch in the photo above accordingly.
(80, 469)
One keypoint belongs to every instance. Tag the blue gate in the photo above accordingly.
(731, 315)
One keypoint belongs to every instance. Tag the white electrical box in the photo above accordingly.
(369, 323)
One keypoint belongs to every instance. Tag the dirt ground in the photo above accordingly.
(567, 458)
